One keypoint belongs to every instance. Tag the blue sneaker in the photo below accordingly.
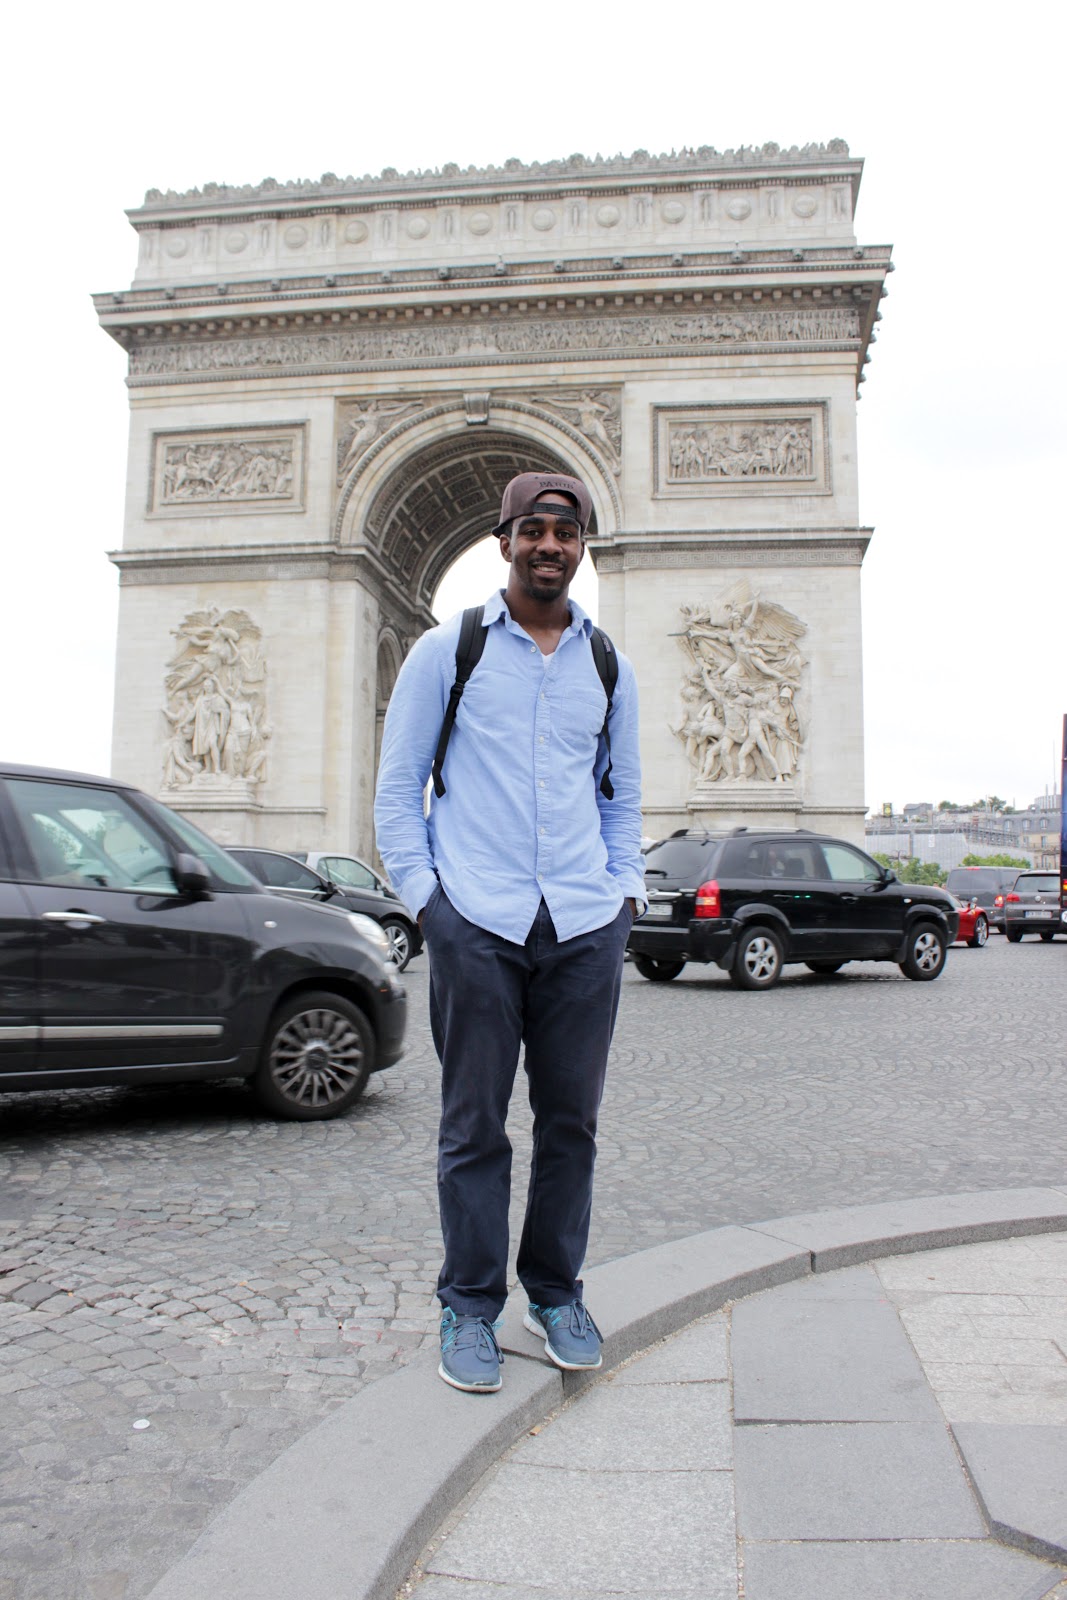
(572, 1338)
(470, 1356)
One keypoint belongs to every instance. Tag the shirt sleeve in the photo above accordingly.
(620, 817)
(409, 741)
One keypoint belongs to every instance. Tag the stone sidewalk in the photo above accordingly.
(867, 1401)
(896, 1430)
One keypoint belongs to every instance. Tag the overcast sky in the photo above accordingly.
(965, 582)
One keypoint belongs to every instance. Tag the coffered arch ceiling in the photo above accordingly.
(444, 499)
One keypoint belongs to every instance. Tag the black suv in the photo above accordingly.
(133, 949)
(753, 902)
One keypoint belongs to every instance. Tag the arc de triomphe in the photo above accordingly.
(330, 383)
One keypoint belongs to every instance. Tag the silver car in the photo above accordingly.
(1033, 906)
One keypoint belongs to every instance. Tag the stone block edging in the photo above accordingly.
(348, 1508)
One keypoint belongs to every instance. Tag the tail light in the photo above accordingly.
(1012, 899)
(999, 901)
(708, 902)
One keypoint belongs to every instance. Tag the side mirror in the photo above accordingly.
(890, 876)
(191, 875)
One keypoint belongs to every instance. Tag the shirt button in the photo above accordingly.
(540, 783)
(533, 649)
(540, 736)
(542, 697)
(541, 830)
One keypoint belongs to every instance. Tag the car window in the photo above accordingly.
(679, 858)
(846, 865)
(90, 838)
(796, 859)
(345, 870)
(224, 870)
(282, 872)
(1037, 883)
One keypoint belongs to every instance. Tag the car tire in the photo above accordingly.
(825, 969)
(980, 935)
(1046, 938)
(925, 955)
(400, 941)
(317, 1056)
(1013, 935)
(657, 971)
(757, 962)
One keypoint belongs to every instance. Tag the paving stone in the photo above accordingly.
(867, 1480)
(637, 1428)
(1020, 1474)
(972, 1570)
(631, 1533)
(696, 1355)
(804, 1358)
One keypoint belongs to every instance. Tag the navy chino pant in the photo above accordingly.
(488, 998)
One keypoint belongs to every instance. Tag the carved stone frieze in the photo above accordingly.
(499, 339)
(596, 413)
(215, 709)
(739, 720)
(755, 450)
(228, 469)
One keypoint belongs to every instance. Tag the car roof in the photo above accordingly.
(11, 769)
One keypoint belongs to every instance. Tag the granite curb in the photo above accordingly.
(349, 1507)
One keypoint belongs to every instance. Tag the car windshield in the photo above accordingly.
(218, 861)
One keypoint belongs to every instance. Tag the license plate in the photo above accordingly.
(658, 911)
(1045, 914)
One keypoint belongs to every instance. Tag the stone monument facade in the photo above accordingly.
(331, 382)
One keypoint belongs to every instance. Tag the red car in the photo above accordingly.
(974, 924)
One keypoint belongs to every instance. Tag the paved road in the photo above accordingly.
(171, 1257)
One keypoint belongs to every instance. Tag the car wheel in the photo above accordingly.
(1046, 938)
(980, 934)
(825, 968)
(657, 971)
(399, 936)
(757, 962)
(1013, 935)
(316, 1059)
(925, 956)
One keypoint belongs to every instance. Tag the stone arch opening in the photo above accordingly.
(444, 498)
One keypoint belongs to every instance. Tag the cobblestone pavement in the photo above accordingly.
(170, 1257)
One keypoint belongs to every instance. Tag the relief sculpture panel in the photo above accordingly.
(709, 451)
(232, 469)
(739, 721)
(215, 708)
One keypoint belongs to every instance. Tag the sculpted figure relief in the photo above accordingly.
(223, 469)
(215, 701)
(362, 422)
(597, 414)
(709, 451)
(739, 720)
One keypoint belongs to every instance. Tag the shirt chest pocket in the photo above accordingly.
(577, 718)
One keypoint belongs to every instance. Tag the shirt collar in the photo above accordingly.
(496, 609)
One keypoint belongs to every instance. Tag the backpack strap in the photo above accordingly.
(607, 666)
(468, 654)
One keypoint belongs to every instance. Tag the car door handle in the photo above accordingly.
(74, 919)
(848, 898)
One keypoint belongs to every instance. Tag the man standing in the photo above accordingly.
(526, 878)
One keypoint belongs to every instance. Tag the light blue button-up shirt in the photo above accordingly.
(522, 817)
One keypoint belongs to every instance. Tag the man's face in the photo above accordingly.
(544, 548)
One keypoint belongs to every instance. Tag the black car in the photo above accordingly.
(133, 949)
(755, 901)
(288, 875)
(988, 885)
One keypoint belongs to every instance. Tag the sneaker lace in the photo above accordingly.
(478, 1333)
(575, 1315)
